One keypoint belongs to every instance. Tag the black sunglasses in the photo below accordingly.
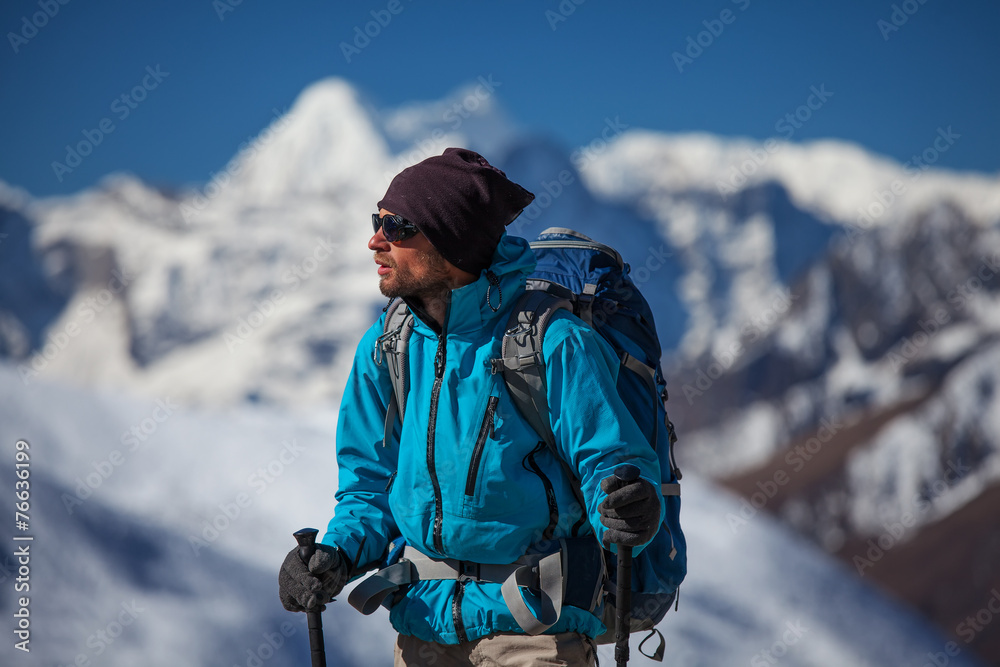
(394, 227)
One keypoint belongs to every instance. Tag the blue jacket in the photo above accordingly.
(455, 480)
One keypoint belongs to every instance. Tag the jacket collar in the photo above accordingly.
(472, 306)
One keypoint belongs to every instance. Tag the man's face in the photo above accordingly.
(412, 267)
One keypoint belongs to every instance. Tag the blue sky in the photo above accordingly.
(892, 73)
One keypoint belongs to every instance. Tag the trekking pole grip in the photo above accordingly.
(626, 473)
(306, 538)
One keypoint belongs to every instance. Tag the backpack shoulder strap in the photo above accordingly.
(523, 368)
(521, 360)
(393, 346)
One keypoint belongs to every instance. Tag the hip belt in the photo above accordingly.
(574, 575)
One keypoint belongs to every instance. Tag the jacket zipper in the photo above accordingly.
(486, 430)
(456, 612)
(439, 362)
(550, 493)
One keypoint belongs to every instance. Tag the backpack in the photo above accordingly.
(592, 281)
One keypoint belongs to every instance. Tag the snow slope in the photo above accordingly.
(753, 587)
(187, 525)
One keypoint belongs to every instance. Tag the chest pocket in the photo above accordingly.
(487, 431)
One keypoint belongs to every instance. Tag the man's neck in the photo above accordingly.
(435, 306)
(434, 303)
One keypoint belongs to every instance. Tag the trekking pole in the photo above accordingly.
(623, 592)
(306, 538)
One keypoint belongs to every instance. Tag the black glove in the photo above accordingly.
(309, 589)
(631, 512)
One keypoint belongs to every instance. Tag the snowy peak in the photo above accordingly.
(324, 144)
(331, 140)
(838, 181)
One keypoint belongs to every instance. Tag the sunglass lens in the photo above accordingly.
(390, 227)
(394, 228)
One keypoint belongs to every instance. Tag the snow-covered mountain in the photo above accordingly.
(855, 394)
(807, 296)
(224, 293)
(841, 364)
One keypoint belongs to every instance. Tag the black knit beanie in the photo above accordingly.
(460, 202)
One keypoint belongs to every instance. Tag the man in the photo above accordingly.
(503, 551)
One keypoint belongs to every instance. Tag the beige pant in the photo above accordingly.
(568, 648)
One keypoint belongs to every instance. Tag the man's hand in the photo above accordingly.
(309, 588)
(631, 512)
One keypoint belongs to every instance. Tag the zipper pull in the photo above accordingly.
(494, 282)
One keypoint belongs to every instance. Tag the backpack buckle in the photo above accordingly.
(385, 344)
(521, 331)
(585, 303)
(468, 571)
(514, 363)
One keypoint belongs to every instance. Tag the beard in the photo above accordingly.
(424, 279)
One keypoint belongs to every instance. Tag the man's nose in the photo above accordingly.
(377, 241)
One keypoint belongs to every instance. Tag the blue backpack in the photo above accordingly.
(592, 281)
